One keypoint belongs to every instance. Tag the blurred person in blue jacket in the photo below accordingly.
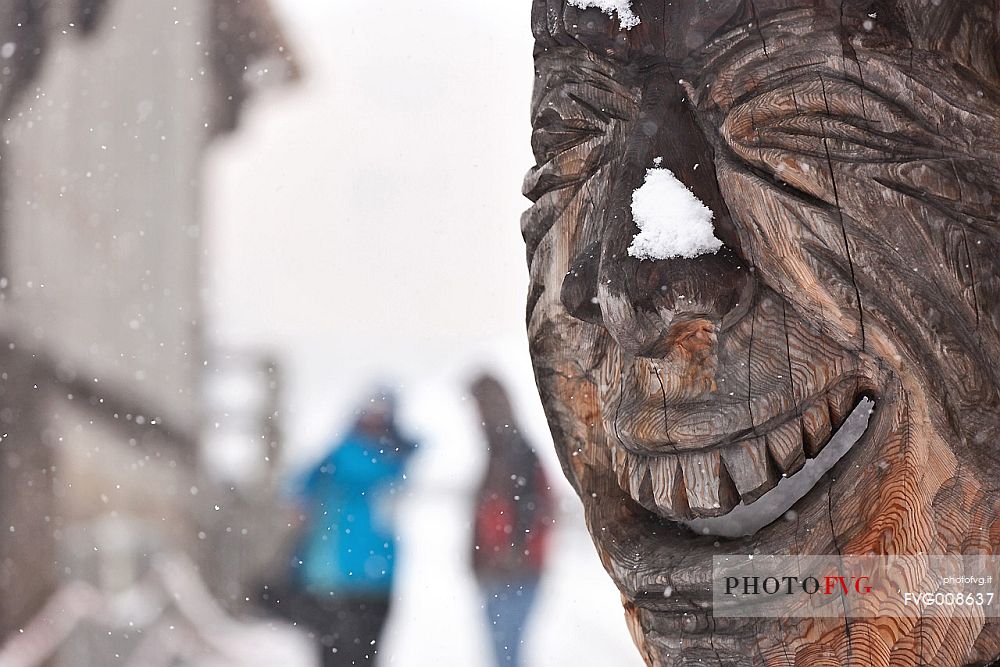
(346, 557)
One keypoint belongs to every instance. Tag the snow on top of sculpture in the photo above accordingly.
(672, 221)
(624, 8)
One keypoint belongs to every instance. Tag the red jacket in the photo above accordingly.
(513, 512)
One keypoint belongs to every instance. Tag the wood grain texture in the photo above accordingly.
(850, 152)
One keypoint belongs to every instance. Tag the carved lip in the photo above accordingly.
(679, 483)
(646, 426)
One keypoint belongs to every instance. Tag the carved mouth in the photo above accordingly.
(695, 486)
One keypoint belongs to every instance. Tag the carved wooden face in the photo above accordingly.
(850, 154)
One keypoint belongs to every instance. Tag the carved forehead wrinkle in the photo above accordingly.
(667, 29)
(675, 29)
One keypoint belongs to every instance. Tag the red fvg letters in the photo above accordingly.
(858, 584)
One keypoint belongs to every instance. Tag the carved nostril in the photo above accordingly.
(708, 286)
(640, 301)
(644, 303)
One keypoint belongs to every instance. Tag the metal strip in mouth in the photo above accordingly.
(777, 503)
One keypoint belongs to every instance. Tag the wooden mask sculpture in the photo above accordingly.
(849, 152)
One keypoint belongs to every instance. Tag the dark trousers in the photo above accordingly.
(347, 627)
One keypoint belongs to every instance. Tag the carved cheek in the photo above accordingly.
(789, 245)
(840, 211)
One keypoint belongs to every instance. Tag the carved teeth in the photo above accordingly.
(640, 485)
(785, 445)
(625, 465)
(750, 468)
(710, 483)
(816, 428)
(710, 490)
(634, 476)
(841, 401)
(669, 494)
(620, 459)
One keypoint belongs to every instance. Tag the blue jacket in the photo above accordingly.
(349, 543)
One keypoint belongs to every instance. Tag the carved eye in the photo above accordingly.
(554, 134)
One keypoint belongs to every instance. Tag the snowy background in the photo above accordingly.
(363, 226)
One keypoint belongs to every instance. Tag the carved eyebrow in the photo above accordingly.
(605, 114)
(583, 93)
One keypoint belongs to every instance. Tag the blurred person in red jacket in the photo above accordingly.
(513, 515)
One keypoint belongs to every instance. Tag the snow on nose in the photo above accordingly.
(672, 221)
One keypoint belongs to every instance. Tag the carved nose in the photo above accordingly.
(641, 302)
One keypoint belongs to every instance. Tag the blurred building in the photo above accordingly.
(106, 439)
